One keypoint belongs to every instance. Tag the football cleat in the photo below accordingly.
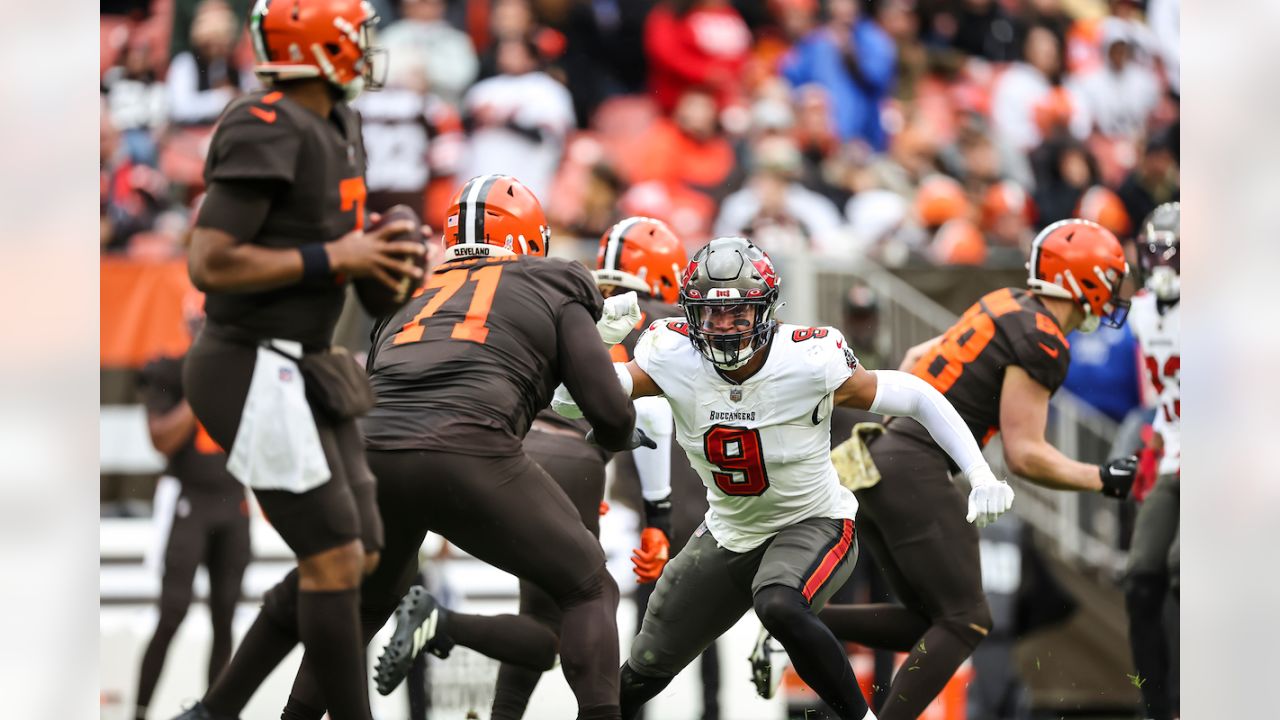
(768, 662)
(420, 625)
(200, 712)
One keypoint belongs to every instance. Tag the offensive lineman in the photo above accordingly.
(277, 238)
(459, 373)
(998, 365)
(1153, 555)
(640, 256)
(752, 400)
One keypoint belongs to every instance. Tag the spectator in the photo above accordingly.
(939, 200)
(854, 60)
(695, 43)
(688, 149)
(1029, 101)
(1155, 179)
(423, 45)
(410, 138)
(131, 195)
(600, 203)
(986, 30)
(1121, 94)
(958, 242)
(1163, 17)
(518, 119)
(204, 79)
(979, 157)
(776, 211)
(1008, 218)
(136, 101)
(1102, 206)
(860, 323)
(1064, 170)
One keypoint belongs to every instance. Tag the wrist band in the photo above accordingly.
(315, 262)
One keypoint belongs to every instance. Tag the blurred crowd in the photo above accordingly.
(913, 132)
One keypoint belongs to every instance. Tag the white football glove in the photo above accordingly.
(989, 497)
(621, 315)
(564, 405)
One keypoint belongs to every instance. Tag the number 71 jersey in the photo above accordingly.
(762, 447)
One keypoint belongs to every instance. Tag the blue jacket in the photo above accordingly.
(1104, 370)
(855, 106)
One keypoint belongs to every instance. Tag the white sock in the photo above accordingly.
(869, 716)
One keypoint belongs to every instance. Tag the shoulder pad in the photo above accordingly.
(568, 278)
(255, 140)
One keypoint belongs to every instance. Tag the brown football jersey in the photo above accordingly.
(466, 364)
(650, 309)
(313, 168)
(1006, 327)
(200, 464)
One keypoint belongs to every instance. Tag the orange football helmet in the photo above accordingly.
(495, 215)
(642, 254)
(1082, 261)
(939, 199)
(1104, 207)
(317, 38)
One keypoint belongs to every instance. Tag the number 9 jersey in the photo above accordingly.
(762, 447)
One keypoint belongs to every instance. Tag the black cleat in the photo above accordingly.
(420, 625)
(200, 712)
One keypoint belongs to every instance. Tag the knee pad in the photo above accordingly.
(971, 626)
(280, 603)
(1144, 593)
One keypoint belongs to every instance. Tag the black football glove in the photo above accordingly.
(638, 439)
(1118, 475)
(657, 515)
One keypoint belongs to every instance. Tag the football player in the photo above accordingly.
(275, 242)
(459, 374)
(998, 365)
(209, 525)
(642, 257)
(1153, 555)
(752, 400)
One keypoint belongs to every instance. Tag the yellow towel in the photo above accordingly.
(852, 459)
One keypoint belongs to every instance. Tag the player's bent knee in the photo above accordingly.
(589, 590)
(338, 568)
(971, 626)
(778, 607)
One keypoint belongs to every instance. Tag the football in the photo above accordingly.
(377, 298)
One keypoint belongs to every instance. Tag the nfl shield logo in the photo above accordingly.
(286, 374)
(735, 393)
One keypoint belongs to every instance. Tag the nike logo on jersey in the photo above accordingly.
(1052, 352)
(267, 116)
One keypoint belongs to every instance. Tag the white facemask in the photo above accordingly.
(1164, 282)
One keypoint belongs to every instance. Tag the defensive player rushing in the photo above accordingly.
(279, 234)
(459, 374)
(209, 526)
(639, 256)
(1153, 556)
(752, 400)
(998, 366)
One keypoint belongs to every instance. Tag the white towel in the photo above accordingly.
(163, 506)
(277, 446)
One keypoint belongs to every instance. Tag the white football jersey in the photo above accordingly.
(1158, 334)
(762, 448)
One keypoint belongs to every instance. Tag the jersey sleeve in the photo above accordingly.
(654, 345)
(160, 385)
(842, 362)
(1039, 346)
(253, 142)
(569, 281)
(827, 353)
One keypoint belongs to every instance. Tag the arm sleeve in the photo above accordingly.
(653, 415)
(587, 372)
(238, 208)
(899, 393)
